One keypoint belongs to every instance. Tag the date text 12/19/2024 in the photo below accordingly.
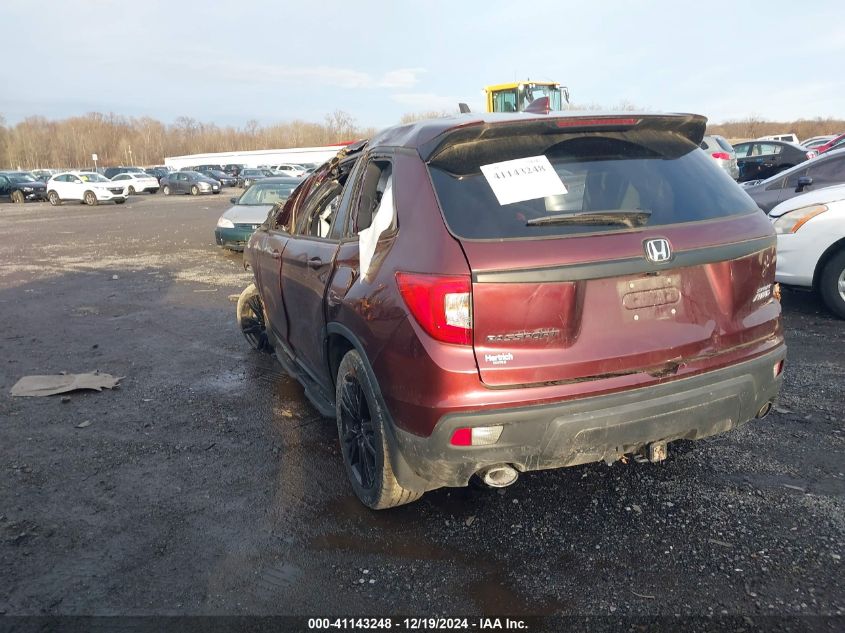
(418, 624)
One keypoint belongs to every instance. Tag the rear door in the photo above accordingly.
(307, 264)
(769, 159)
(650, 258)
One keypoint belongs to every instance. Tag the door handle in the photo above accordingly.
(275, 254)
(315, 262)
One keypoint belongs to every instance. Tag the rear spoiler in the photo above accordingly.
(520, 128)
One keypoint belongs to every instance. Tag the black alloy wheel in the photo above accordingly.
(357, 433)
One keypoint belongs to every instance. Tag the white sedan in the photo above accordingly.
(87, 186)
(811, 244)
(137, 183)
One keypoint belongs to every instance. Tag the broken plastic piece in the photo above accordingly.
(62, 383)
(382, 220)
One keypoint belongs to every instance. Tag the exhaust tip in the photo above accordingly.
(499, 476)
(764, 410)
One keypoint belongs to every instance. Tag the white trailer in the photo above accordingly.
(256, 158)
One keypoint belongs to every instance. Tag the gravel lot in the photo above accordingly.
(206, 484)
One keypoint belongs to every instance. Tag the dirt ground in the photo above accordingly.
(206, 483)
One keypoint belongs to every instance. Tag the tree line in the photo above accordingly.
(755, 127)
(37, 142)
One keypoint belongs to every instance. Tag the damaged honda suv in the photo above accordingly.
(490, 295)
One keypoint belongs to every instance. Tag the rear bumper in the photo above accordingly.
(594, 428)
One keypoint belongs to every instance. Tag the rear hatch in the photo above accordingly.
(602, 247)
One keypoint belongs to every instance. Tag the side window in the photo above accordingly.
(829, 171)
(376, 175)
(504, 101)
(283, 214)
(350, 188)
(4, 182)
(791, 182)
(280, 216)
(742, 150)
(318, 211)
(768, 149)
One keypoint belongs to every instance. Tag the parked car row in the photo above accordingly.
(762, 158)
(824, 170)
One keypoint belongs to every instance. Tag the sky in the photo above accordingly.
(230, 62)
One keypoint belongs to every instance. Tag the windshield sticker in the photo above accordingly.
(523, 179)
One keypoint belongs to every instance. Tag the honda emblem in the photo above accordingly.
(658, 250)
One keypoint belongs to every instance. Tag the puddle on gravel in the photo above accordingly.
(494, 594)
(414, 549)
(226, 381)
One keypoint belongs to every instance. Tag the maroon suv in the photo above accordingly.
(488, 295)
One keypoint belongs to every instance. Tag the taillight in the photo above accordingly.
(812, 154)
(721, 155)
(441, 305)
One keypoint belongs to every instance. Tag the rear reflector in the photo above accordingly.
(477, 436)
(721, 155)
(440, 304)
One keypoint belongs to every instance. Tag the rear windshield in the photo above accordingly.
(659, 173)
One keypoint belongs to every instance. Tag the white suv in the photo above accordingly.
(87, 186)
(288, 169)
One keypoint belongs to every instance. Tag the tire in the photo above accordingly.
(361, 431)
(17, 197)
(166, 190)
(195, 191)
(53, 198)
(832, 284)
(216, 192)
(131, 190)
(120, 201)
(252, 320)
(90, 198)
